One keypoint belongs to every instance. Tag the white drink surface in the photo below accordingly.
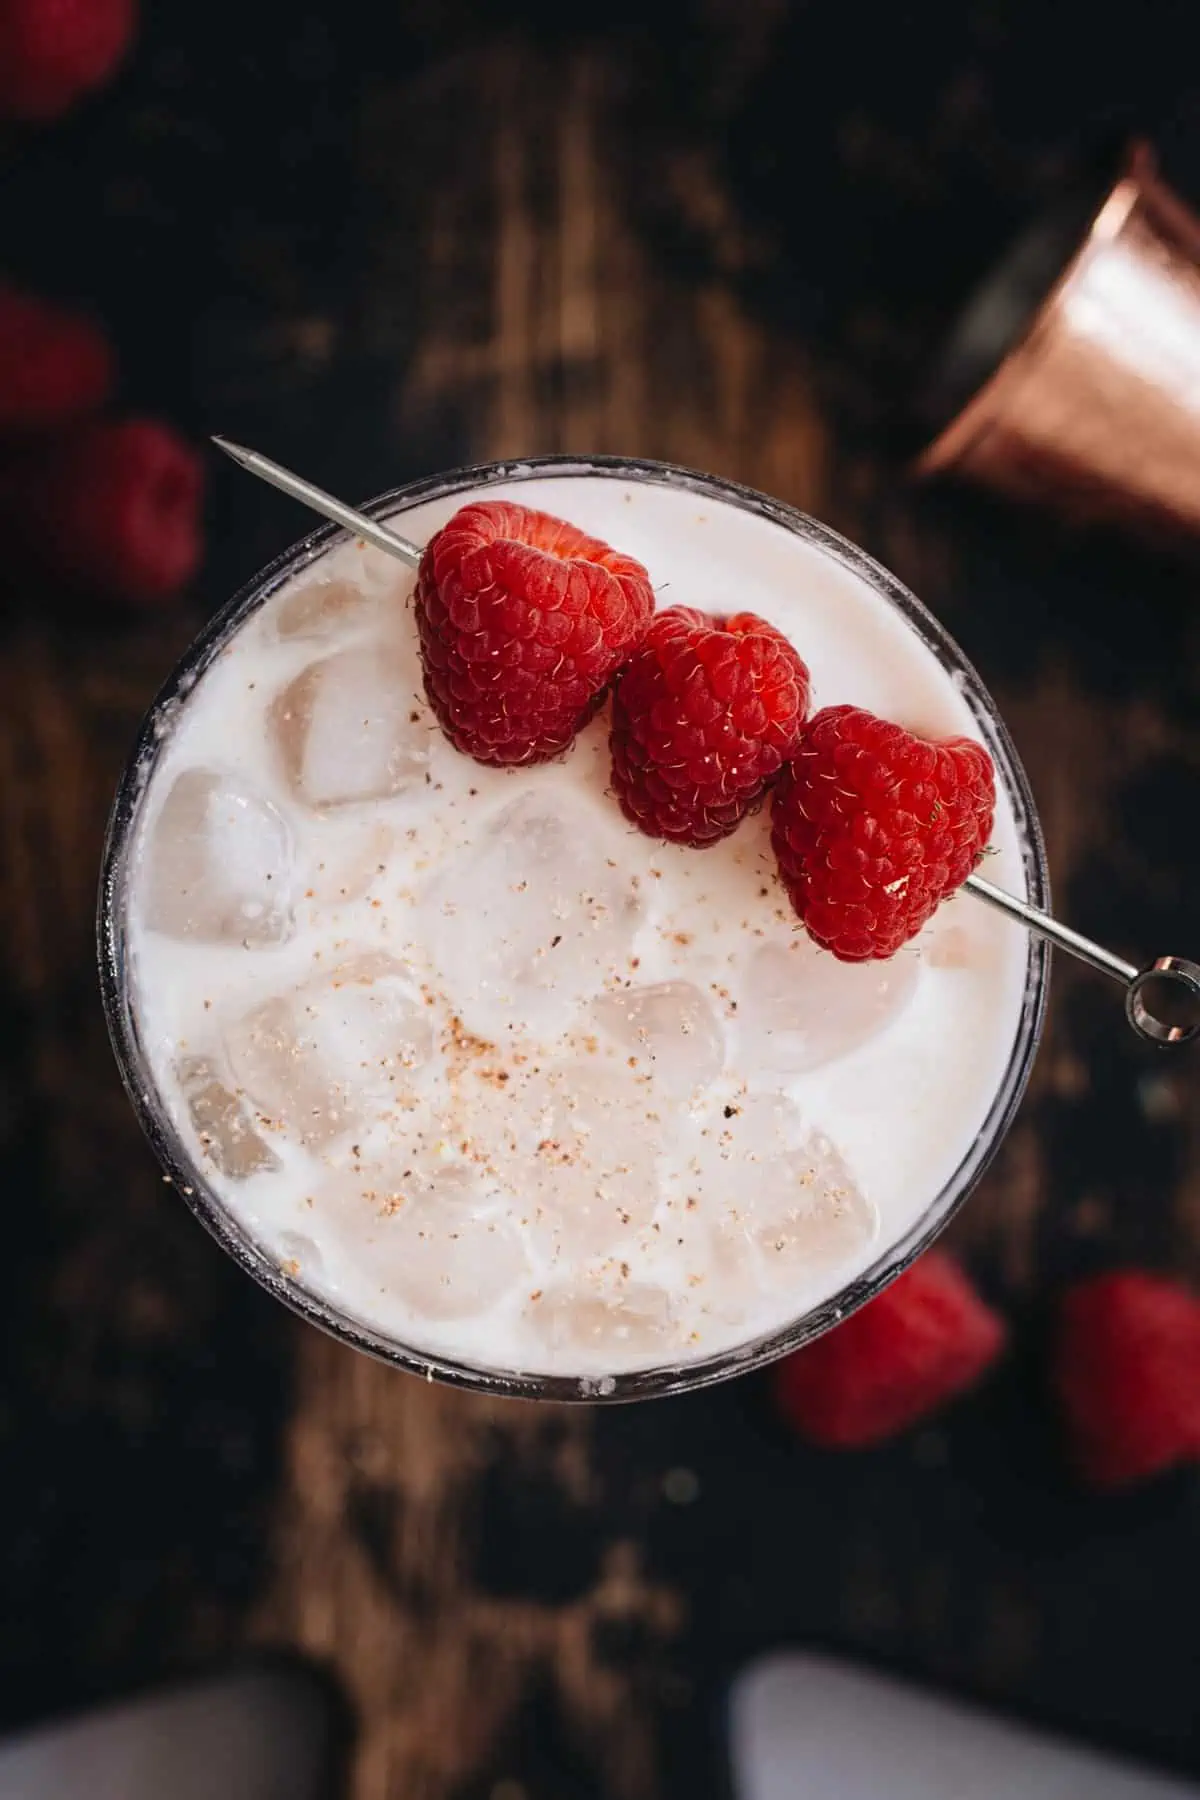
(486, 1068)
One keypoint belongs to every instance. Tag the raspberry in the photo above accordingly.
(704, 716)
(113, 507)
(913, 1347)
(54, 51)
(1126, 1369)
(873, 828)
(523, 621)
(55, 364)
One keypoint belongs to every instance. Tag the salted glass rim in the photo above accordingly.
(187, 1176)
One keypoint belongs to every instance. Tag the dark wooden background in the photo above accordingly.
(380, 242)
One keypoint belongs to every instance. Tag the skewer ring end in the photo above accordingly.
(1173, 971)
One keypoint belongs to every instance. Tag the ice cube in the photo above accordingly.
(418, 1169)
(222, 1122)
(218, 863)
(731, 1146)
(353, 852)
(671, 1032)
(322, 608)
(604, 1319)
(338, 1053)
(812, 1216)
(784, 1198)
(529, 922)
(590, 1181)
(299, 1256)
(446, 1268)
(799, 1007)
(431, 1240)
(350, 727)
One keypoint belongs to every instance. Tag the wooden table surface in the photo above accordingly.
(720, 236)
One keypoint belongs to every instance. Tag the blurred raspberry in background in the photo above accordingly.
(916, 1346)
(1126, 1372)
(55, 364)
(98, 506)
(52, 52)
(110, 508)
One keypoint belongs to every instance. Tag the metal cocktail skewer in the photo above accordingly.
(321, 502)
(1174, 971)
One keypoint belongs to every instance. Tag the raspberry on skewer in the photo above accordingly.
(874, 827)
(704, 715)
(523, 621)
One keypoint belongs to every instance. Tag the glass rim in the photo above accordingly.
(183, 1172)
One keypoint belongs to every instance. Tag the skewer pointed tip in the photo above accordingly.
(239, 452)
(327, 505)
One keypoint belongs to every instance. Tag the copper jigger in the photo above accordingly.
(1077, 365)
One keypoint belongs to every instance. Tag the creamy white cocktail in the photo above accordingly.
(478, 1073)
